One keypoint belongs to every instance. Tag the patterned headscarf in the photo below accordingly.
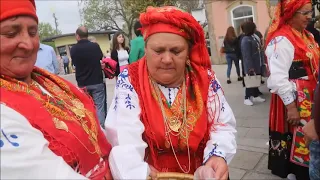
(284, 12)
(11, 8)
(170, 19)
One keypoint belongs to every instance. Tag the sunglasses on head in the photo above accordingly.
(305, 13)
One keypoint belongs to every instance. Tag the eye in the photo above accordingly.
(175, 52)
(33, 33)
(158, 51)
(11, 34)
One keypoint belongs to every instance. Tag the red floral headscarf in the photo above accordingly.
(284, 11)
(11, 8)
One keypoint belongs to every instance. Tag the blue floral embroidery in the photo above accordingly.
(12, 136)
(215, 85)
(121, 81)
(222, 107)
(275, 41)
(213, 152)
(128, 102)
(170, 101)
(116, 103)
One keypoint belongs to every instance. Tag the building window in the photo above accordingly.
(62, 50)
(241, 14)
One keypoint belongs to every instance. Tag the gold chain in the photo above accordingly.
(167, 126)
(92, 135)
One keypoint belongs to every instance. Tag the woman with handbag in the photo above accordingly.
(252, 60)
(293, 59)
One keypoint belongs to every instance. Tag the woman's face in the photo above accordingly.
(120, 39)
(19, 45)
(166, 55)
(302, 17)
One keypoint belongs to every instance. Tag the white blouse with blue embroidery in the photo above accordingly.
(124, 128)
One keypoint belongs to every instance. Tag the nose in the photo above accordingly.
(167, 58)
(26, 42)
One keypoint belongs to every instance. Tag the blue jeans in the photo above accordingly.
(232, 57)
(98, 94)
(314, 168)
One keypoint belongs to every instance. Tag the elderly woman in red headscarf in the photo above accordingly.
(169, 113)
(49, 129)
(293, 58)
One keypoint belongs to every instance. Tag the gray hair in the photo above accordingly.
(92, 39)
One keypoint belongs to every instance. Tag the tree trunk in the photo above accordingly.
(215, 57)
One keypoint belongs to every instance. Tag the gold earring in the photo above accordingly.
(188, 62)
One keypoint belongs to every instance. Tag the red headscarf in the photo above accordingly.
(173, 20)
(284, 12)
(12, 8)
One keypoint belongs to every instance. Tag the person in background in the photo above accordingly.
(293, 60)
(47, 59)
(316, 34)
(312, 136)
(120, 52)
(253, 57)
(137, 45)
(92, 39)
(239, 46)
(230, 48)
(107, 55)
(49, 129)
(86, 57)
(169, 113)
(65, 60)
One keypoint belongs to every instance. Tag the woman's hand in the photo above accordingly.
(219, 166)
(310, 133)
(293, 116)
(154, 172)
(251, 71)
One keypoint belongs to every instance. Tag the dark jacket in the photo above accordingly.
(231, 47)
(114, 56)
(252, 54)
(86, 58)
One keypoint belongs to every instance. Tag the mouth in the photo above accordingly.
(21, 57)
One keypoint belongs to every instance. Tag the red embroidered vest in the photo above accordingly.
(165, 160)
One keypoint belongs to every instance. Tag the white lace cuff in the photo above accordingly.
(288, 97)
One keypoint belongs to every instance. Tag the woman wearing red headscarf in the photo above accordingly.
(49, 129)
(293, 58)
(169, 113)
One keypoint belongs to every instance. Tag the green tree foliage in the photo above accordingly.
(115, 14)
(46, 31)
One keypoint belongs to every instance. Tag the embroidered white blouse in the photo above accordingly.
(280, 54)
(124, 129)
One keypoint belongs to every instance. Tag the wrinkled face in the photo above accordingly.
(302, 17)
(166, 55)
(120, 39)
(19, 45)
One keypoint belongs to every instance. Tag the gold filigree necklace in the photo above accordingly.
(174, 125)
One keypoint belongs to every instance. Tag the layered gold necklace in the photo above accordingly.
(173, 126)
(79, 110)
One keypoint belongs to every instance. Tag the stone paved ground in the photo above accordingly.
(251, 159)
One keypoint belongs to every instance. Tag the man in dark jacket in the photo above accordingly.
(86, 58)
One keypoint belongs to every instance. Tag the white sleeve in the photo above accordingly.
(124, 131)
(25, 153)
(280, 54)
(222, 141)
